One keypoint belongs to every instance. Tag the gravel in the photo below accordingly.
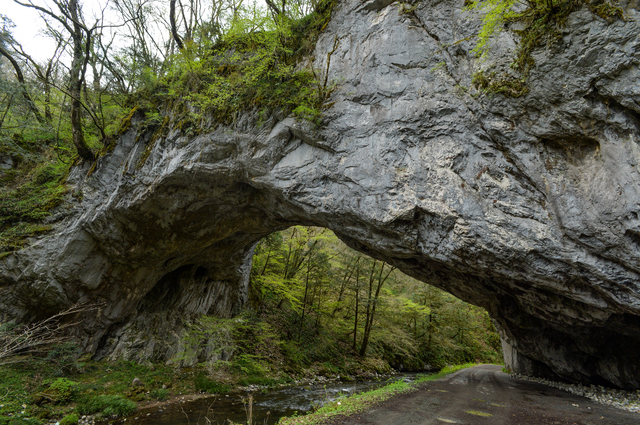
(626, 400)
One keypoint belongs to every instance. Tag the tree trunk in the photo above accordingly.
(372, 310)
(304, 300)
(355, 322)
(345, 280)
(23, 89)
(172, 20)
(75, 85)
(6, 111)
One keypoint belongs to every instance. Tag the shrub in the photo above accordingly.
(258, 380)
(61, 390)
(71, 419)
(63, 357)
(160, 394)
(207, 385)
(106, 405)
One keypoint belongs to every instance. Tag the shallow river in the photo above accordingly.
(268, 406)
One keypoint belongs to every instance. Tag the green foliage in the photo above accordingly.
(248, 61)
(162, 394)
(207, 385)
(30, 193)
(106, 405)
(254, 65)
(496, 12)
(541, 21)
(70, 419)
(307, 286)
(28, 382)
(63, 358)
(62, 390)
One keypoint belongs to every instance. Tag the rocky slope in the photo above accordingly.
(528, 207)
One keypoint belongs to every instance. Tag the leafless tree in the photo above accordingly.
(20, 341)
(20, 77)
(69, 15)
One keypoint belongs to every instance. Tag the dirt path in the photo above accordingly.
(485, 395)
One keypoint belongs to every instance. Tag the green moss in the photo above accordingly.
(109, 144)
(541, 22)
(71, 419)
(23, 207)
(106, 405)
(61, 390)
(203, 384)
(125, 125)
(161, 131)
(506, 85)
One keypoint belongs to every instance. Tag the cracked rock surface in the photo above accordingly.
(528, 207)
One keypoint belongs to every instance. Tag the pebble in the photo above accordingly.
(626, 400)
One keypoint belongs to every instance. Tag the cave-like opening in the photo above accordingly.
(314, 303)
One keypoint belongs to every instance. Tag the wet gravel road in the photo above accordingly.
(486, 395)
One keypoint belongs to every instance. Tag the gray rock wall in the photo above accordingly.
(528, 207)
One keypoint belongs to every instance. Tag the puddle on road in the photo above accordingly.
(478, 413)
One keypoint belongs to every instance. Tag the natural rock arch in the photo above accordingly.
(527, 207)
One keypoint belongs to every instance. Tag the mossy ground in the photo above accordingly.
(32, 188)
(35, 391)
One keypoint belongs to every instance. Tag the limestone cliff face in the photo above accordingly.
(528, 207)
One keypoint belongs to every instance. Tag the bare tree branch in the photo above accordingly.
(34, 338)
(23, 89)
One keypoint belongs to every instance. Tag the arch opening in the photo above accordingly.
(309, 299)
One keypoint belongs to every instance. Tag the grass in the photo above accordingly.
(361, 402)
(70, 419)
(107, 405)
(445, 371)
(206, 385)
(160, 394)
(34, 392)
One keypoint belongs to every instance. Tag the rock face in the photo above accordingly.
(529, 207)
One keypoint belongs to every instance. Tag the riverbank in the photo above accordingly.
(34, 392)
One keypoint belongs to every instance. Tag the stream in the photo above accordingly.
(268, 405)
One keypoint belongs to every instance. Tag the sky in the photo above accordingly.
(29, 25)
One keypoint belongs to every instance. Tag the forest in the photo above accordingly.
(327, 301)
